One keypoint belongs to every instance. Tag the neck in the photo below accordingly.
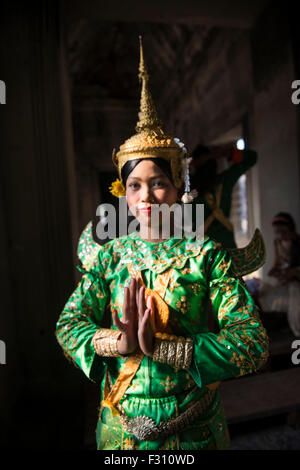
(155, 234)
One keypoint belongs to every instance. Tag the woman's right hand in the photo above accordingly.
(128, 341)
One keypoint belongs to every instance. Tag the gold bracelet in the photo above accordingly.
(175, 351)
(105, 342)
(188, 357)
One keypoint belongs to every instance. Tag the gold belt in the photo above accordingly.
(145, 429)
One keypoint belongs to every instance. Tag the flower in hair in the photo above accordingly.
(117, 188)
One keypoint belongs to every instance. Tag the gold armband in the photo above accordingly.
(105, 342)
(173, 350)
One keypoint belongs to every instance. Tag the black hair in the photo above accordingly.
(283, 218)
(129, 166)
(205, 177)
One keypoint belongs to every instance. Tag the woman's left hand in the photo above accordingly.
(145, 330)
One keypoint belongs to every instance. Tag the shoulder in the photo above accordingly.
(211, 246)
(117, 244)
(114, 252)
(88, 249)
(92, 254)
(212, 251)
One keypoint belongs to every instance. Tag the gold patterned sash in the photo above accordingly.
(160, 318)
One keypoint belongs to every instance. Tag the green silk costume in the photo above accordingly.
(200, 271)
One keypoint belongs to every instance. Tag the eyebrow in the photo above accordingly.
(161, 175)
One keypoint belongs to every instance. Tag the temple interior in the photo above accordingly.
(221, 73)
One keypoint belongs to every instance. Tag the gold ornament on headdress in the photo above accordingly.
(151, 141)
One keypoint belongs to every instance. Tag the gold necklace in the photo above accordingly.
(165, 249)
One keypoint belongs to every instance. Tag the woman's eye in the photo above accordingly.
(133, 185)
(159, 183)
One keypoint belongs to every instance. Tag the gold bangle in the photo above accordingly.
(164, 350)
(156, 350)
(175, 351)
(180, 350)
(188, 357)
(105, 342)
(172, 356)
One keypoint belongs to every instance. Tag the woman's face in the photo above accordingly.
(146, 185)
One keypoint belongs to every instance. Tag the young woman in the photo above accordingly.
(138, 321)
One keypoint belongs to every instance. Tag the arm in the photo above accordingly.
(241, 346)
(80, 321)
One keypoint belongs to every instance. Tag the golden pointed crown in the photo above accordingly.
(151, 141)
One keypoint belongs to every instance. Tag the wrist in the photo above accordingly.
(123, 346)
(173, 350)
(150, 350)
(105, 342)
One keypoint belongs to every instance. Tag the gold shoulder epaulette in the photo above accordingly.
(248, 259)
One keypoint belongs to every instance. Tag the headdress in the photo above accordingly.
(151, 141)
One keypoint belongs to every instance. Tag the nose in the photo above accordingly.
(146, 194)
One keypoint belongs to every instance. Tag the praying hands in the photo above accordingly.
(135, 326)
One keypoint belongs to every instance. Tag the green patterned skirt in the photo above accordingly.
(209, 431)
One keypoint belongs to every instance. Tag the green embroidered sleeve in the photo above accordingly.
(241, 346)
(80, 319)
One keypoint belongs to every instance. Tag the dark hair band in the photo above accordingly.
(129, 166)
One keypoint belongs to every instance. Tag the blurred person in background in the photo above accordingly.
(215, 190)
(284, 296)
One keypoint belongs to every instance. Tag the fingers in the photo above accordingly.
(129, 305)
(118, 324)
(146, 321)
(141, 303)
(132, 296)
(145, 334)
(150, 302)
(137, 290)
(125, 308)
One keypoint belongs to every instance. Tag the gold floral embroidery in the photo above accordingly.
(129, 444)
(182, 304)
(227, 307)
(189, 382)
(186, 271)
(100, 295)
(173, 284)
(116, 257)
(246, 360)
(239, 361)
(170, 444)
(168, 384)
(195, 287)
(170, 253)
(228, 288)
(223, 266)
